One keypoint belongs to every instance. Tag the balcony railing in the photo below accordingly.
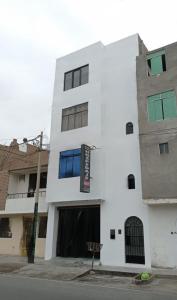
(26, 195)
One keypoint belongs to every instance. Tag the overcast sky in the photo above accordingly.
(33, 33)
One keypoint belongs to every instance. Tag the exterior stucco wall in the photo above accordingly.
(40, 247)
(13, 245)
(67, 189)
(159, 172)
(111, 95)
(120, 151)
(163, 235)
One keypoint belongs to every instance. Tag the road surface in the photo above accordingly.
(20, 288)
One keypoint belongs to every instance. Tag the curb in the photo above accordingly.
(117, 273)
(132, 274)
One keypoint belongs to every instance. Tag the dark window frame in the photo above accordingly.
(163, 148)
(129, 128)
(131, 182)
(72, 80)
(74, 114)
(5, 230)
(33, 181)
(43, 180)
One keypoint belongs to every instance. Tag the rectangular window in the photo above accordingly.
(43, 180)
(33, 180)
(84, 75)
(42, 227)
(74, 117)
(68, 81)
(76, 77)
(162, 106)
(156, 63)
(69, 163)
(5, 231)
(163, 148)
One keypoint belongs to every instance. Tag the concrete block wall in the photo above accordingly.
(159, 172)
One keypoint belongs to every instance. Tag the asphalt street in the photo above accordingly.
(16, 288)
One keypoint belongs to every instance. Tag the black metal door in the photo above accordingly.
(134, 241)
(76, 227)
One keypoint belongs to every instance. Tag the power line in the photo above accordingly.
(11, 139)
(18, 138)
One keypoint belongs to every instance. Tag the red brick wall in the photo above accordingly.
(13, 159)
(4, 181)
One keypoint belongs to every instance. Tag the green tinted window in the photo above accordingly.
(162, 106)
(155, 109)
(156, 63)
(169, 105)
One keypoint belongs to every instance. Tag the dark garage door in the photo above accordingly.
(77, 226)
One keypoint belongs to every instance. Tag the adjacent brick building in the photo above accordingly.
(18, 168)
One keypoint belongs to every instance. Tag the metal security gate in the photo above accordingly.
(76, 227)
(134, 241)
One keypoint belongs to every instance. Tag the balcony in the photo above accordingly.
(19, 203)
(26, 195)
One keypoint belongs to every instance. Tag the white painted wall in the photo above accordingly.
(120, 151)
(68, 188)
(18, 205)
(163, 222)
(111, 94)
(24, 205)
(52, 232)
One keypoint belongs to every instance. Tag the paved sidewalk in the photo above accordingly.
(59, 269)
(69, 268)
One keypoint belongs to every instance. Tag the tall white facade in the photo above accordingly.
(111, 93)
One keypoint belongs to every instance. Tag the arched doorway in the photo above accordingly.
(134, 241)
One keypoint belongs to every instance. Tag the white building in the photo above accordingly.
(103, 79)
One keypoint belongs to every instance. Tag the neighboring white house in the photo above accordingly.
(95, 103)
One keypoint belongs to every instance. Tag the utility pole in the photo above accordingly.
(32, 243)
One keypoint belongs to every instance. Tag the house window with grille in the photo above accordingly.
(129, 128)
(163, 148)
(131, 182)
(5, 231)
(74, 117)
